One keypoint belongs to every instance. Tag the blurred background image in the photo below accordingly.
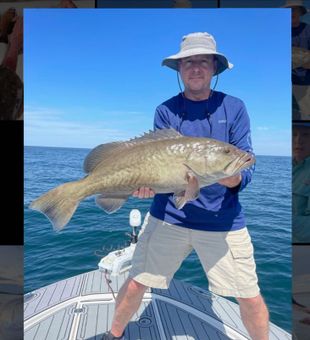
(301, 292)
(11, 292)
(11, 51)
(301, 182)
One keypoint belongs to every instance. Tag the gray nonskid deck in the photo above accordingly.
(82, 307)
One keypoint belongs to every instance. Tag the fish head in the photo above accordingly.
(218, 160)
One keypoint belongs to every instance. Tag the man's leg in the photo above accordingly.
(229, 263)
(255, 317)
(127, 303)
(166, 247)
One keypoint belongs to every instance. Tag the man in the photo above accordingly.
(300, 75)
(213, 224)
(301, 182)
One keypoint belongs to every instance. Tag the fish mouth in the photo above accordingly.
(240, 163)
(245, 161)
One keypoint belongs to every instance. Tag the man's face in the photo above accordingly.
(197, 71)
(301, 143)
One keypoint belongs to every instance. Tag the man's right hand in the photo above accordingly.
(144, 192)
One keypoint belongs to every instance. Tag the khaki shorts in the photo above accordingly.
(227, 257)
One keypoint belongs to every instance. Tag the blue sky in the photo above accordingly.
(94, 76)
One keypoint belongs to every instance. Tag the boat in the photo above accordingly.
(82, 307)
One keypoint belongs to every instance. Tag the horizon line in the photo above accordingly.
(90, 148)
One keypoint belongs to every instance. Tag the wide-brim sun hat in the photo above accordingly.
(196, 44)
(296, 3)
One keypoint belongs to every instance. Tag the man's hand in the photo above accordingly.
(144, 193)
(16, 37)
(231, 182)
(15, 46)
(7, 23)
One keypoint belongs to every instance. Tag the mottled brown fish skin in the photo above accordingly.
(160, 166)
(161, 160)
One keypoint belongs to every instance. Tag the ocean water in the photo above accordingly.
(51, 256)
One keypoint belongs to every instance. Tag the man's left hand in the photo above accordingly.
(231, 182)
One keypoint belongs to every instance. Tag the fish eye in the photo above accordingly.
(226, 150)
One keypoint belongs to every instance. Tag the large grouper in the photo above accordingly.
(163, 160)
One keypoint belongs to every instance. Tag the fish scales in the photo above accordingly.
(163, 160)
(141, 166)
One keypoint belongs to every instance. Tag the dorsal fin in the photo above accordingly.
(161, 134)
(104, 151)
(98, 154)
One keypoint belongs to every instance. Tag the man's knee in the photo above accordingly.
(135, 287)
(254, 303)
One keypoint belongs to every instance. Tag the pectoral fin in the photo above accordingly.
(204, 180)
(191, 192)
(110, 204)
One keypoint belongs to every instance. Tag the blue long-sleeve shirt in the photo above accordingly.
(221, 117)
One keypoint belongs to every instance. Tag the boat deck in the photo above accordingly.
(82, 307)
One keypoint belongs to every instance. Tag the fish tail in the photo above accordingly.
(59, 204)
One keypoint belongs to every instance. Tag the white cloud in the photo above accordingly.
(48, 127)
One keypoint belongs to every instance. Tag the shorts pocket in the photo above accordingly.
(242, 251)
(149, 225)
